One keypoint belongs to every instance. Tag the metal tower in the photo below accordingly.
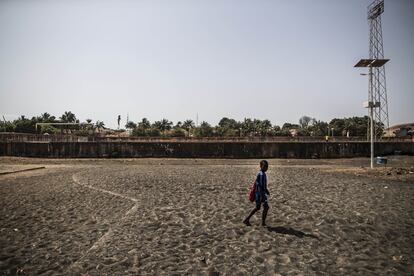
(377, 91)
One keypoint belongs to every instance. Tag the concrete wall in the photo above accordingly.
(27, 137)
(202, 150)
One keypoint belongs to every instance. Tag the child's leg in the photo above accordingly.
(264, 214)
(257, 208)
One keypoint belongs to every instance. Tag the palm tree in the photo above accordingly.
(179, 124)
(167, 125)
(144, 124)
(187, 125)
(99, 125)
(68, 117)
(88, 125)
(163, 125)
(47, 118)
(157, 125)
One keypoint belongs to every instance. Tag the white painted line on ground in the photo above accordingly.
(77, 181)
(101, 241)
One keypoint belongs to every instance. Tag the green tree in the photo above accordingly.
(144, 129)
(177, 132)
(139, 132)
(256, 126)
(68, 117)
(144, 124)
(247, 126)
(304, 121)
(274, 131)
(282, 132)
(100, 125)
(188, 124)
(319, 128)
(153, 132)
(7, 126)
(337, 126)
(179, 124)
(264, 127)
(290, 126)
(228, 123)
(356, 126)
(204, 130)
(24, 125)
(276, 128)
(130, 125)
(47, 118)
(228, 127)
(49, 129)
(162, 125)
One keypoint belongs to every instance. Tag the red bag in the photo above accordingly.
(252, 192)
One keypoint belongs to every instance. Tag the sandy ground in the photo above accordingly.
(183, 216)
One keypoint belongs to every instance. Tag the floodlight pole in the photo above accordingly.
(371, 104)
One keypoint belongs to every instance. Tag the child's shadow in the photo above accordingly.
(290, 231)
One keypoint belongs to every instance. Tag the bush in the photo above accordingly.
(7, 127)
(49, 129)
(141, 132)
(177, 132)
(138, 132)
(282, 132)
(153, 132)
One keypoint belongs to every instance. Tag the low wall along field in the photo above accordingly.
(203, 149)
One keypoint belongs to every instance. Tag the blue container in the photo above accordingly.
(382, 160)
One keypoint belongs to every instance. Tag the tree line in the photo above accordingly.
(26, 125)
(227, 127)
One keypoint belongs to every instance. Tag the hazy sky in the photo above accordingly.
(266, 59)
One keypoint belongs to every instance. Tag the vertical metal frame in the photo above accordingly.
(377, 87)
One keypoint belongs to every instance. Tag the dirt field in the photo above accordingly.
(171, 216)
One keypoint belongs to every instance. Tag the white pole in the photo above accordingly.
(372, 138)
(372, 117)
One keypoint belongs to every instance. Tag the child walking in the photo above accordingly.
(261, 192)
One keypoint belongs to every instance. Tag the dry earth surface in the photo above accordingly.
(183, 216)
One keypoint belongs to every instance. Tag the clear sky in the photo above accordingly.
(266, 59)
